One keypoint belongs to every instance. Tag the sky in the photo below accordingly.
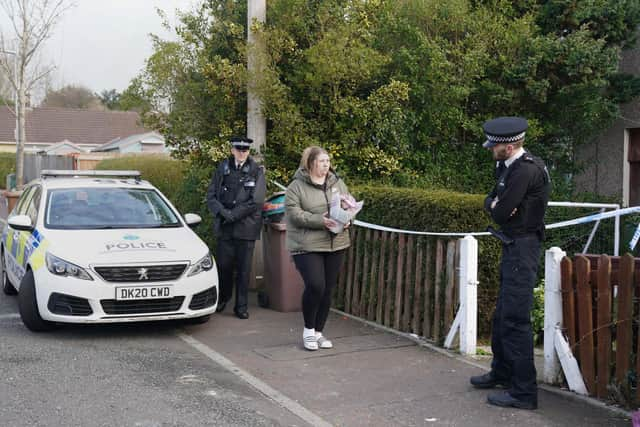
(102, 44)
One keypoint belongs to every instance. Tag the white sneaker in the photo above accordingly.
(322, 341)
(309, 339)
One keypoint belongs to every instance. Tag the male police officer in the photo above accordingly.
(235, 199)
(517, 203)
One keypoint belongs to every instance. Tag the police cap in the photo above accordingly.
(240, 142)
(504, 130)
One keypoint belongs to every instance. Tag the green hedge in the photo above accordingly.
(441, 211)
(7, 166)
(164, 173)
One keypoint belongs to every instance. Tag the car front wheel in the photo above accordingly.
(7, 287)
(28, 306)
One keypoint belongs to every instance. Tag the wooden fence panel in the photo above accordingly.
(603, 326)
(585, 322)
(408, 288)
(416, 326)
(449, 285)
(437, 289)
(364, 287)
(428, 287)
(397, 306)
(389, 283)
(375, 251)
(347, 292)
(380, 302)
(568, 302)
(624, 323)
(355, 287)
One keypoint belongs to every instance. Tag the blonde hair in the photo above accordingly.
(309, 156)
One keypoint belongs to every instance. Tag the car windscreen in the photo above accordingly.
(103, 208)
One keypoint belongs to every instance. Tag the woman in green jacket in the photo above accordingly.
(317, 252)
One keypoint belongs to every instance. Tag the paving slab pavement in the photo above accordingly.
(373, 377)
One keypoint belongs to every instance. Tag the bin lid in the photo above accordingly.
(273, 205)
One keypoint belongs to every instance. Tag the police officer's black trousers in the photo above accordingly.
(319, 271)
(512, 336)
(234, 255)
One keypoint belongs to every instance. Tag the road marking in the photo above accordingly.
(9, 316)
(261, 386)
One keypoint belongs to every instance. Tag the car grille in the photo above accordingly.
(204, 299)
(143, 306)
(141, 273)
(68, 305)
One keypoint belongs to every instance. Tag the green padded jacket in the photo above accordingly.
(305, 203)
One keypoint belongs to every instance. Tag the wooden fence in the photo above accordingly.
(402, 281)
(600, 305)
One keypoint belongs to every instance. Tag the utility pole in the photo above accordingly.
(256, 122)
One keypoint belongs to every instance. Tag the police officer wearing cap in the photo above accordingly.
(235, 197)
(517, 204)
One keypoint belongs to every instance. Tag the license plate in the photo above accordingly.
(143, 292)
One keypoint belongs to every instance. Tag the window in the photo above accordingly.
(102, 208)
(21, 206)
(33, 205)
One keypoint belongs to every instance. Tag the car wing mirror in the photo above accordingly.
(192, 219)
(20, 222)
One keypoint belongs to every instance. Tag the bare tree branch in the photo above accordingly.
(33, 22)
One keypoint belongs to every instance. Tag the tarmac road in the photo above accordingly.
(120, 375)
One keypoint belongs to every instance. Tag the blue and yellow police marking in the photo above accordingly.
(23, 236)
(37, 257)
(26, 246)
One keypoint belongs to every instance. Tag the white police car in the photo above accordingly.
(103, 246)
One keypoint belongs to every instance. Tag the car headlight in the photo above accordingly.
(204, 264)
(61, 267)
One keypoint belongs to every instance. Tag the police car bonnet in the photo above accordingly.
(504, 130)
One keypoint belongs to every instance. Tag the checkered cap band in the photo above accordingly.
(241, 144)
(503, 139)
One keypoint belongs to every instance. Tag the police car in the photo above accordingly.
(103, 246)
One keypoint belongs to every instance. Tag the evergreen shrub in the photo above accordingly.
(7, 166)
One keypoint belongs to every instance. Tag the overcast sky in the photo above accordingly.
(102, 44)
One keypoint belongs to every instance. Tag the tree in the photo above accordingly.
(32, 23)
(397, 90)
(110, 99)
(72, 96)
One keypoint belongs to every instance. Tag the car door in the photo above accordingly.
(19, 244)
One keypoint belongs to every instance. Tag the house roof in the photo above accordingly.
(144, 138)
(51, 125)
(54, 147)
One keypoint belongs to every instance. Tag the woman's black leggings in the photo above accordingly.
(319, 270)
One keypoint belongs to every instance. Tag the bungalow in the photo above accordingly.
(66, 130)
(150, 142)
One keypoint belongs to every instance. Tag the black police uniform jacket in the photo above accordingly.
(524, 185)
(241, 193)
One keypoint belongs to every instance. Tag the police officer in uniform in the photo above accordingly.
(235, 198)
(517, 203)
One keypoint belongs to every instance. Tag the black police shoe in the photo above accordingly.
(504, 399)
(241, 314)
(221, 306)
(489, 380)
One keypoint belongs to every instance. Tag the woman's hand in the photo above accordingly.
(328, 222)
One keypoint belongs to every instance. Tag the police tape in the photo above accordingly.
(595, 217)
(575, 221)
(420, 233)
